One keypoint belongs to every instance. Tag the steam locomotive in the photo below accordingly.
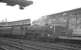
(35, 32)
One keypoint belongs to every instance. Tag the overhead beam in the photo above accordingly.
(22, 3)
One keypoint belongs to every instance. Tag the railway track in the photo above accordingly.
(6, 47)
(34, 43)
(24, 45)
(17, 46)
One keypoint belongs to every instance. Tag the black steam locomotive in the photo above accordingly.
(34, 32)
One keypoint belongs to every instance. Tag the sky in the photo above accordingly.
(38, 9)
